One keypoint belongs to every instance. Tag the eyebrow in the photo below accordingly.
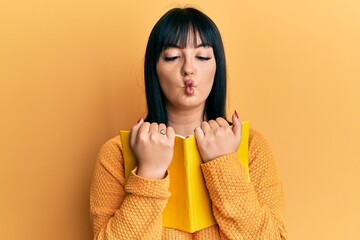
(171, 45)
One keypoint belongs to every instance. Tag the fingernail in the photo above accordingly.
(139, 120)
(236, 115)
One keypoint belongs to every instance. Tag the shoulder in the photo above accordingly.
(259, 148)
(257, 140)
(111, 145)
(110, 154)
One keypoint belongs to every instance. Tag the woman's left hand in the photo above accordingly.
(216, 138)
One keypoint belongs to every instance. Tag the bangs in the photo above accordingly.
(183, 35)
(177, 29)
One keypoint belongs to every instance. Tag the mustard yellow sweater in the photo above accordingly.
(132, 209)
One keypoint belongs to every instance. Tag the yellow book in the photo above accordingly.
(189, 207)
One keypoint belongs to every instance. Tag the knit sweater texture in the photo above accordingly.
(133, 209)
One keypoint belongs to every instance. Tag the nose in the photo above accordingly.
(188, 67)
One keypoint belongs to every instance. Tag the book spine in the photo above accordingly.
(189, 201)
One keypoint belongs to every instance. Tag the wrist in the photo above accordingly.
(153, 174)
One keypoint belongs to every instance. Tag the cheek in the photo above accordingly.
(161, 74)
(213, 73)
(209, 75)
(209, 68)
(166, 79)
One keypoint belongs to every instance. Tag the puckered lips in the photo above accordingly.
(189, 87)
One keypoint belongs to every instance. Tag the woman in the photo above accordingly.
(185, 78)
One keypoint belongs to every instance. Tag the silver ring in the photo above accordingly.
(162, 131)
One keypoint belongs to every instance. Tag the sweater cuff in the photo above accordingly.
(225, 171)
(148, 188)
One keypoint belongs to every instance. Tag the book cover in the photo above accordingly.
(189, 207)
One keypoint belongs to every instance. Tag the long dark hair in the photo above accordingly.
(173, 29)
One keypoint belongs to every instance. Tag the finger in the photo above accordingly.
(199, 134)
(213, 125)
(170, 133)
(205, 127)
(236, 125)
(222, 122)
(134, 130)
(162, 129)
(154, 128)
(144, 129)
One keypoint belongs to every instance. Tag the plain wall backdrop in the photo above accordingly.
(71, 78)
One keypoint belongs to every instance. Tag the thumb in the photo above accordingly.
(134, 131)
(236, 125)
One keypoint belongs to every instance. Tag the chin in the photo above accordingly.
(192, 104)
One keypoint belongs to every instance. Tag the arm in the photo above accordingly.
(247, 210)
(122, 210)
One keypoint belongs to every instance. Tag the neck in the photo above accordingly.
(184, 121)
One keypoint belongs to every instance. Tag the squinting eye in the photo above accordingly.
(170, 59)
(203, 58)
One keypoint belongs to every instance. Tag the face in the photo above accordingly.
(186, 75)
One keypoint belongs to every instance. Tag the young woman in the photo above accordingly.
(185, 79)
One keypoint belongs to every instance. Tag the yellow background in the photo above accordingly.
(71, 78)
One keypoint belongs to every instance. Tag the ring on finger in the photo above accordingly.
(163, 132)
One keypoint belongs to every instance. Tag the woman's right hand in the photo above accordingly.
(153, 146)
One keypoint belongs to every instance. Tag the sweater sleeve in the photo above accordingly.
(247, 210)
(122, 210)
